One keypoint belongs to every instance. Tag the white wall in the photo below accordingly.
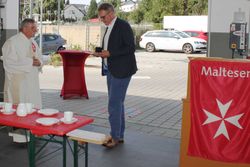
(10, 14)
(221, 13)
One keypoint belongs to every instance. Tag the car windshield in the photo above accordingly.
(182, 34)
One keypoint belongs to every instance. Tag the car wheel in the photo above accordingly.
(150, 47)
(187, 48)
(61, 48)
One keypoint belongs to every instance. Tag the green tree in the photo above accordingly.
(49, 5)
(122, 15)
(136, 16)
(175, 7)
(115, 3)
(92, 11)
(198, 7)
(158, 10)
(185, 7)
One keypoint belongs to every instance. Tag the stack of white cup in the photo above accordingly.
(24, 108)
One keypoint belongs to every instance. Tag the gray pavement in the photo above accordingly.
(153, 114)
(153, 102)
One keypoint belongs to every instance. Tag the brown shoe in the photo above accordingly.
(109, 138)
(111, 143)
(121, 140)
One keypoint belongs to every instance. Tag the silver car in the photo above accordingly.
(171, 40)
(51, 43)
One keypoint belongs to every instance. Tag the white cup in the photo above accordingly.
(2, 105)
(68, 116)
(7, 107)
(21, 110)
(29, 107)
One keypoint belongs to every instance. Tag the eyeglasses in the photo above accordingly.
(103, 17)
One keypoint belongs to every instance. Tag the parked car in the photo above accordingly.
(171, 40)
(197, 34)
(51, 42)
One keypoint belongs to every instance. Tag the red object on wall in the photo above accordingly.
(73, 71)
(220, 112)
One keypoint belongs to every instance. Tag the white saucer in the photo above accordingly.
(33, 110)
(47, 121)
(8, 113)
(48, 111)
(69, 122)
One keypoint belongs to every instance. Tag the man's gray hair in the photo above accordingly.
(106, 6)
(27, 21)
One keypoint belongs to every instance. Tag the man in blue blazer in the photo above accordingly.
(118, 64)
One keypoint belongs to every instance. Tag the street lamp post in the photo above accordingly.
(58, 14)
(41, 25)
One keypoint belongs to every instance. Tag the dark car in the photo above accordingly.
(197, 34)
(51, 43)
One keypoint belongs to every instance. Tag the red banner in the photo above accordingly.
(220, 110)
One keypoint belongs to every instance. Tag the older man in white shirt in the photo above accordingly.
(22, 62)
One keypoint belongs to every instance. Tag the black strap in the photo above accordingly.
(104, 37)
(104, 67)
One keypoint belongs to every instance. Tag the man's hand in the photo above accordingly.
(103, 54)
(36, 62)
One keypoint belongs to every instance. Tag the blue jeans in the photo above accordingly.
(117, 88)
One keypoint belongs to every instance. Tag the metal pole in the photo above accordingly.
(41, 25)
(58, 15)
(75, 153)
(31, 8)
(64, 151)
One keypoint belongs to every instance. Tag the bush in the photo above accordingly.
(75, 47)
(138, 31)
(55, 60)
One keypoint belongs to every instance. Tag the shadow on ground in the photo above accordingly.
(137, 151)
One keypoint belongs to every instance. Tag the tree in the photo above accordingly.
(115, 3)
(136, 16)
(185, 7)
(176, 7)
(157, 10)
(198, 7)
(92, 11)
(49, 5)
(67, 2)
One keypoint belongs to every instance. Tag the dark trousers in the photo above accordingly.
(117, 88)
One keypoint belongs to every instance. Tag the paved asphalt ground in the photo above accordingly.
(153, 111)
(153, 102)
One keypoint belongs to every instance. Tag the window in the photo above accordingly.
(50, 37)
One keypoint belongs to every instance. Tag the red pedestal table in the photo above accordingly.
(73, 71)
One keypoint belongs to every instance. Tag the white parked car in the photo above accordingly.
(171, 40)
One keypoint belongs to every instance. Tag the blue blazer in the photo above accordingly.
(121, 46)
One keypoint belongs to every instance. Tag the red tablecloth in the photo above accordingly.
(29, 122)
(73, 71)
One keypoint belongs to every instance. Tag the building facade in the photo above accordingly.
(75, 12)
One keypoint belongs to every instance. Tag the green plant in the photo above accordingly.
(138, 31)
(158, 26)
(75, 47)
(55, 59)
(92, 47)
